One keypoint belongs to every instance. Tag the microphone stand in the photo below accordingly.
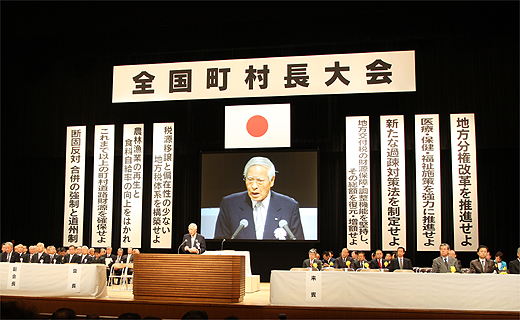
(222, 244)
(179, 248)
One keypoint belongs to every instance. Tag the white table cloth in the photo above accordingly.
(492, 292)
(53, 280)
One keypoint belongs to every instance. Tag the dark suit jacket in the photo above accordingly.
(85, 259)
(44, 257)
(26, 257)
(125, 257)
(476, 267)
(111, 256)
(331, 261)
(238, 206)
(339, 263)
(357, 264)
(374, 264)
(15, 257)
(394, 264)
(514, 266)
(200, 243)
(56, 257)
(438, 265)
(307, 263)
(75, 258)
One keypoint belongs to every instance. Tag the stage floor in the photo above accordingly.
(254, 306)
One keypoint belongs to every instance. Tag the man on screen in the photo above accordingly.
(269, 215)
(195, 243)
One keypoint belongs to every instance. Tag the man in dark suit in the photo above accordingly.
(514, 265)
(40, 256)
(54, 257)
(378, 262)
(312, 262)
(444, 263)
(195, 243)
(361, 262)
(344, 261)
(85, 257)
(265, 211)
(328, 260)
(400, 262)
(9, 255)
(482, 264)
(71, 256)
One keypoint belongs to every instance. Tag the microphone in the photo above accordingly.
(179, 249)
(283, 224)
(222, 244)
(243, 224)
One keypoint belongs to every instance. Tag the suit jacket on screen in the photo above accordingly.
(238, 206)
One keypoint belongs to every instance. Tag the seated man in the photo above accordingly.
(9, 255)
(40, 256)
(312, 262)
(344, 261)
(400, 262)
(328, 261)
(378, 262)
(482, 264)
(444, 263)
(500, 264)
(514, 265)
(361, 262)
(453, 254)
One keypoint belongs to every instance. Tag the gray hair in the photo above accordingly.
(518, 251)
(261, 161)
(9, 244)
(192, 224)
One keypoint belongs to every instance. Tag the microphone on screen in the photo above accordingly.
(283, 224)
(243, 224)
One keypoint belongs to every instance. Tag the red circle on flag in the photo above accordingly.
(257, 126)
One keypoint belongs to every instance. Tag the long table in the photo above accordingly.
(53, 280)
(491, 292)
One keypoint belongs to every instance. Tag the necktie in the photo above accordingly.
(259, 220)
(483, 262)
(400, 263)
(380, 265)
(446, 262)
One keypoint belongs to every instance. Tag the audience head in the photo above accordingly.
(388, 256)
(109, 250)
(518, 252)
(444, 249)
(8, 247)
(40, 247)
(326, 255)
(379, 254)
(64, 313)
(498, 256)
(130, 250)
(482, 251)
(17, 310)
(195, 314)
(32, 249)
(354, 254)
(360, 255)
(344, 252)
(400, 252)
(130, 315)
(84, 250)
(312, 254)
(120, 252)
(452, 254)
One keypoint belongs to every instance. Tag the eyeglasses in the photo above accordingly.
(251, 180)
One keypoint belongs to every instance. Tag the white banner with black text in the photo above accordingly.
(428, 181)
(393, 184)
(162, 185)
(132, 185)
(74, 185)
(357, 151)
(464, 177)
(265, 77)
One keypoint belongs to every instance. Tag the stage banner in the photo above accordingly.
(103, 185)
(464, 176)
(428, 181)
(357, 151)
(162, 185)
(393, 184)
(132, 185)
(265, 77)
(74, 185)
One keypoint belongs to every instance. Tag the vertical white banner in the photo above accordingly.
(162, 185)
(132, 185)
(13, 276)
(74, 278)
(74, 185)
(393, 184)
(357, 151)
(428, 181)
(464, 176)
(103, 185)
(313, 291)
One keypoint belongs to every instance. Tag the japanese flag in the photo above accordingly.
(258, 126)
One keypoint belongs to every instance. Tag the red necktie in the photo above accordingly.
(380, 266)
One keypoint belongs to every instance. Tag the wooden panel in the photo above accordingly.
(187, 277)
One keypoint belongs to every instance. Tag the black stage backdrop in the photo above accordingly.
(57, 60)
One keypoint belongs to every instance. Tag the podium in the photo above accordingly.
(189, 278)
